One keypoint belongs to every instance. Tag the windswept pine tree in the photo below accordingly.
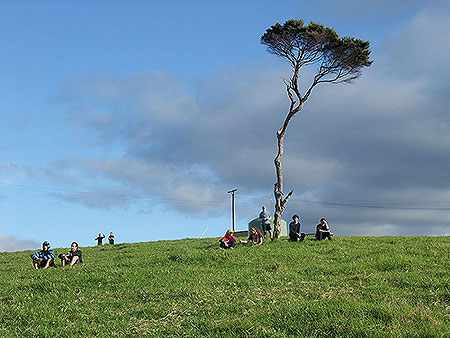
(336, 60)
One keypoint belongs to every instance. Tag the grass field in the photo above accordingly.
(350, 287)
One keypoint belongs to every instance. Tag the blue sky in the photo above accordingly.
(137, 117)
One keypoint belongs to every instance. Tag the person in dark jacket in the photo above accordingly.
(73, 257)
(294, 230)
(323, 230)
(44, 258)
(111, 238)
(99, 238)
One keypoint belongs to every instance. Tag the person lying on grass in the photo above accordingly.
(256, 237)
(323, 230)
(228, 241)
(44, 258)
(72, 257)
(294, 230)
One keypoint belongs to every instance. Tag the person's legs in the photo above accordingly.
(48, 263)
(64, 259)
(302, 236)
(37, 262)
(269, 229)
(74, 260)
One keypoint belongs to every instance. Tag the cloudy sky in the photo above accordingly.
(137, 117)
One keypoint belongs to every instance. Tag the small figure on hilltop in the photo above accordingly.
(99, 238)
(44, 258)
(294, 230)
(264, 216)
(255, 237)
(111, 238)
(72, 257)
(323, 230)
(228, 241)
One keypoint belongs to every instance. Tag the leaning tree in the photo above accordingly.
(336, 59)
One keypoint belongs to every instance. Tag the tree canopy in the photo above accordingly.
(338, 59)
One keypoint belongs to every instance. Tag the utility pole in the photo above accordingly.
(233, 207)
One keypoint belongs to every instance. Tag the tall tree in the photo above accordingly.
(336, 59)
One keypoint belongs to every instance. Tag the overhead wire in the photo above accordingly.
(109, 195)
(243, 192)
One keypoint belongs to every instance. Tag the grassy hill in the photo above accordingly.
(350, 287)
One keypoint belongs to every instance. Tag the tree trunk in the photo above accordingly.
(280, 202)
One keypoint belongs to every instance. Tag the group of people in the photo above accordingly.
(45, 257)
(322, 230)
(256, 237)
(101, 236)
(229, 241)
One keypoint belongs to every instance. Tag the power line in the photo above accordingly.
(109, 195)
(221, 203)
(374, 206)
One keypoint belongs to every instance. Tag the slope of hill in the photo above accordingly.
(350, 287)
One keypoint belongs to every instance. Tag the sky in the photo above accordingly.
(137, 117)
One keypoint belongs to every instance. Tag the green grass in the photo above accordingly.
(350, 287)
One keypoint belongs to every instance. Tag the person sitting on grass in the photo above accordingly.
(228, 241)
(256, 237)
(44, 258)
(323, 230)
(294, 230)
(72, 257)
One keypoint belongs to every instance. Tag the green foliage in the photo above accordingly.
(350, 287)
(341, 59)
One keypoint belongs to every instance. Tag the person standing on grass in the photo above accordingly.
(44, 258)
(294, 230)
(99, 238)
(323, 230)
(72, 257)
(228, 241)
(111, 238)
(264, 216)
(256, 237)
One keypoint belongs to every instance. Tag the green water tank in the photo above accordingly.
(256, 223)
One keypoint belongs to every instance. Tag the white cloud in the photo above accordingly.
(9, 243)
(383, 140)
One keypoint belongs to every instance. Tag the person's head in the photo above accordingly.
(45, 246)
(111, 233)
(263, 208)
(99, 234)
(323, 221)
(229, 232)
(295, 218)
(74, 246)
